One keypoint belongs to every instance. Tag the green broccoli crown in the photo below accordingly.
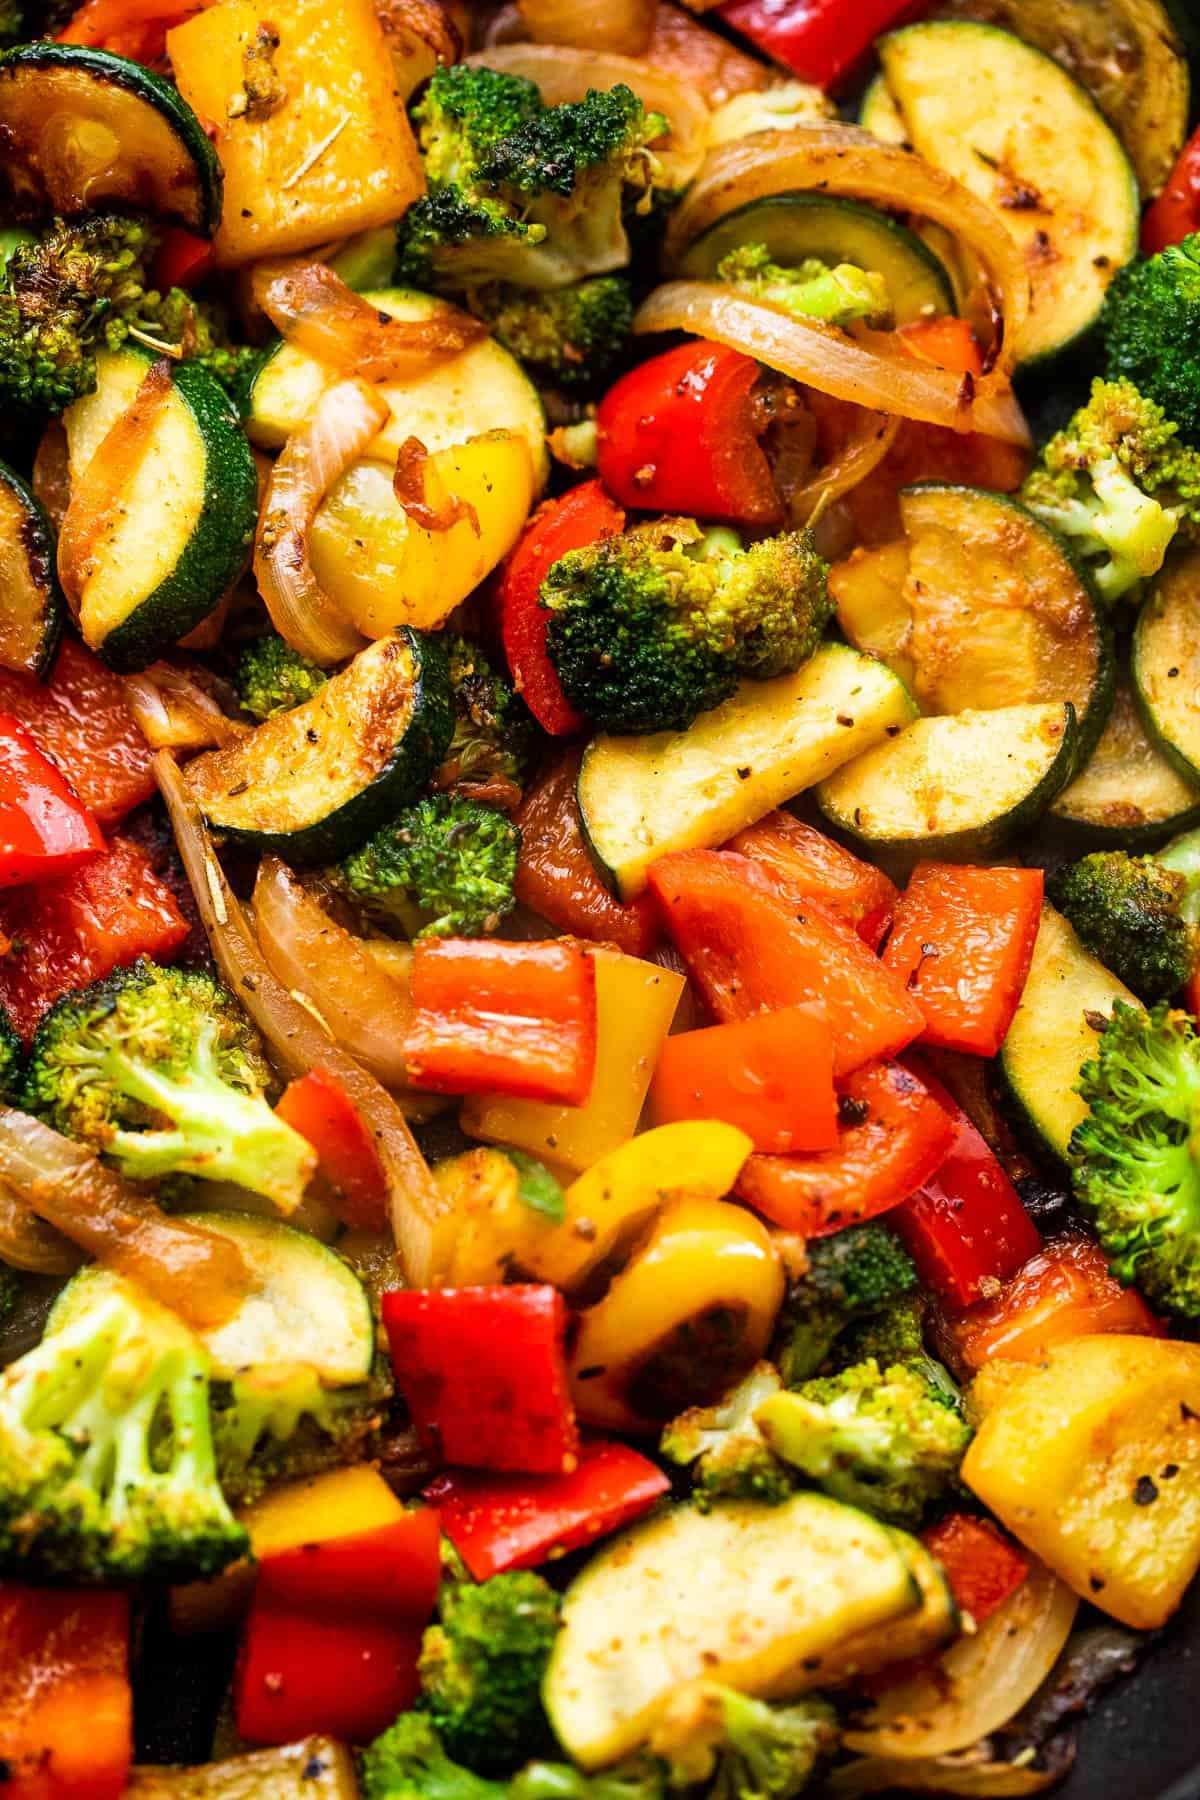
(107, 1470)
(1134, 1155)
(571, 337)
(481, 1669)
(160, 1069)
(444, 867)
(651, 628)
(730, 1455)
(12, 1061)
(283, 1424)
(1118, 483)
(452, 239)
(1151, 328)
(464, 112)
(838, 295)
(272, 677)
(850, 1275)
(555, 150)
(1127, 911)
(742, 1748)
(409, 1762)
(493, 730)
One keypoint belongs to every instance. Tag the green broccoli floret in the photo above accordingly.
(481, 1669)
(742, 1748)
(518, 191)
(409, 1762)
(204, 337)
(444, 867)
(839, 295)
(272, 677)
(570, 338)
(161, 1070)
(107, 1470)
(730, 1454)
(12, 1061)
(651, 628)
(1118, 483)
(275, 1424)
(493, 731)
(1151, 328)
(850, 1275)
(883, 1439)
(1135, 1154)
(1127, 910)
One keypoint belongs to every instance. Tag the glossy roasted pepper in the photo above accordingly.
(1176, 212)
(318, 1107)
(80, 718)
(771, 1076)
(982, 1566)
(818, 40)
(66, 1707)
(301, 1671)
(804, 864)
(45, 830)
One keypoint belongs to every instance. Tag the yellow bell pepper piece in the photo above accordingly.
(1092, 1459)
(495, 1232)
(635, 1003)
(691, 1313)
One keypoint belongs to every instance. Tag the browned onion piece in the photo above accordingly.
(314, 309)
(625, 26)
(27, 1242)
(408, 485)
(120, 451)
(869, 437)
(175, 713)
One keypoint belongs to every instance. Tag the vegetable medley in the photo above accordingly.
(599, 891)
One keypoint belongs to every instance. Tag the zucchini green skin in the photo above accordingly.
(204, 215)
(40, 554)
(1165, 634)
(1127, 795)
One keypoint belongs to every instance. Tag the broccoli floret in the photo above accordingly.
(1151, 327)
(481, 1669)
(637, 1778)
(272, 677)
(409, 1762)
(570, 338)
(107, 1470)
(838, 295)
(730, 1454)
(518, 191)
(742, 1748)
(850, 1275)
(493, 731)
(1127, 910)
(12, 1061)
(444, 867)
(1134, 1155)
(1118, 483)
(276, 1424)
(651, 628)
(161, 1070)
(883, 1439)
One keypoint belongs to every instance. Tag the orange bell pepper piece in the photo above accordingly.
(66, 1707)
(771, 1076)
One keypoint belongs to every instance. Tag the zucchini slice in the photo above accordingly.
(1127, 792)
(84, 129)
(315, 782)
(1165, 664)
(796, 226)
(743, 1595)
(640, 797)
(485, 389)
(1054, 1032)
(1022, 134)
(918, 1634)
(31, 602)
(879, 114)
(186, 520)
(955, 788)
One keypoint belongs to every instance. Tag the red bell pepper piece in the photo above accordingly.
(804, 864)
(80, 719)
(818, 40)
(44, 830)
(679, 434)
(319, 1108)
(771, 1076)
(183, 259)
(301, 1672)
(484, 1372)
(982, 1566)
(966, 1227)
(499, 1522)
(66, 933)
(66, 1707)
(748, 951)
(1065, 1290)
(573, 522)
(894, 1137)
(947, 342)
(1176, 212)
(391, 1571)
(962, 941)
(511, 1018)
(135, 29)
(556, 876)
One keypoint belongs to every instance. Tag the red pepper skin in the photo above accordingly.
(678, 435)
(578, 519)
(882, 1157)
(318, 1107)
(66, 1706)
(803, 864)
(484, 1372)
(961, 942)
(966, 1227)
(1176, 212)
(301, 1672)
(748, 951)
(556, 877)
(183, 259)
(44, 830)
(499, 1522)
(391, 1572)
(80, 720)
(984, 1568)
(771, 1076)
(505, 1018)
(66, 933)
(818, 40)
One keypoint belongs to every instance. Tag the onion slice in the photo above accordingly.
(625, 26)
(314, 309)
(175, 713)
(431, 513)
(115, 461)
(348, 416)
(864, 446)
(27, 1242)
(422, 1222)
(821, 357)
